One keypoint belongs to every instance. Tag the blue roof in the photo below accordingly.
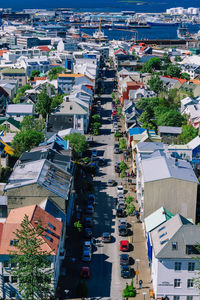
(136, 130)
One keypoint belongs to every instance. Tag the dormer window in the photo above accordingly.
(174, 246)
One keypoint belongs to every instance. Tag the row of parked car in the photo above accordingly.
(123, 231)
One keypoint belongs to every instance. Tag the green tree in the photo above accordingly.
(152, 65)
(96, 118)
(185, 76)
(123, 166)
(166, 58)
(30, 123)
(78, 226)
(173, 71)
(188, 133)
(35, 73)
(122, 144)
(77, 142)
(43, 105)
(25, 140)
(129, 199)
(177, 58)
(53, 73)
(130, 209)
(169, 117)
(32, 263)
(20, 93)
(155, 84)
(56, 101)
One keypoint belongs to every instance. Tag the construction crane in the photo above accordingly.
(135, 36)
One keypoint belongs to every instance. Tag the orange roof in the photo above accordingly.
(44, 48)
(51, 236)
(142, 48)
(40, 78)
(3, 51)
(141, 44)
(195, 81)
(70, 75)
(120, 50)
(175, 78)
(76, 36)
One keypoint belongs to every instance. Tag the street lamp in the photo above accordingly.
(137, 271)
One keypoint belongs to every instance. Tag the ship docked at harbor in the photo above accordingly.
(183, 33)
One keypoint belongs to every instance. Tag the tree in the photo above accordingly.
(96, 118)
(177, 58)
(129, 199)
(185, 76)
(43, 105)
(173, 71)
(35, 73)
(56, 101)
(25, 140)
(32, 266)
(169, 117)
(122, 144)
(188, 133)
(130, 209)
(155, 84)
(30, 123)
(53, 73)
(151, 65)
(20, 93)
(123, 166)
(77, 142)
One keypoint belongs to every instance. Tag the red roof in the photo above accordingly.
(120, 50)
(179, 79)
(40, 78)
(142, 48)
(44, 48)
(141, 44)
(51, 235)
(3, 51)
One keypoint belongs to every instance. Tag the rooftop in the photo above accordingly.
(157, 218)
(12, 71)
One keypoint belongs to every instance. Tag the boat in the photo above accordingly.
(99, 34)
(182, 32)
(159, 22)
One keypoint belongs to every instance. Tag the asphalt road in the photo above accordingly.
(105, 281)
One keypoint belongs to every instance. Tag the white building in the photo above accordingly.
(183, 11)
(171, 249)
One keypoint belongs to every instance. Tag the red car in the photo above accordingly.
(114, 113)
(85, 272)
(124, 245)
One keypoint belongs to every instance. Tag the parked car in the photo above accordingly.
(85, 273)
(106, 237)
(91, 199)
(124, 259)
(87, 256)
(120, 190)
(90, 209)
(117, 167)
(123, 222)
(87, 233)
(94, 154)
(116, 129)
(78, 214)
(88, 222)
(122, 230)
(111, 182)
(125, 271)
(121, 204)
(120, 213)
(87, 246)
(116, 150)
(124, 245)
(120, 197)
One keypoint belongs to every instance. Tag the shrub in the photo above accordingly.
(123, 166)
(117, 134)
(122, 144)
(96, 131)
(129, 291)
(130, 209)
(123, 174)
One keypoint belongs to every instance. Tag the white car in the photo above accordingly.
(120, 190)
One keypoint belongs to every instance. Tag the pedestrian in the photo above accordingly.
(140, 283)
(127, 158)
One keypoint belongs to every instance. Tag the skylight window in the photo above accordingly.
(160, 229)
(164, 241)
(163, 234)
(51, 226)
(48, 237)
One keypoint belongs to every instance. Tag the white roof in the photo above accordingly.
(158, 167)
(63, 133)
(194, 143)
(19, 108)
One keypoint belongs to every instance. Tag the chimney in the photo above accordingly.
(176, 161)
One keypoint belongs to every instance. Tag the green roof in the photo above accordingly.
(16, 71)
(11, 121)
(157, 218)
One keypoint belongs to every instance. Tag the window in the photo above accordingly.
(189, 298)
(191, 266)
(12, 294)
(6, 263)
(48, 237)
(51, 226)
(190, 283)
(174, 245)
(13, 242)
(177, 266)
(176, 298)
(6, 279)
(177, 283)
(163, 234)
(13, 265)
(13, 279)
(190, 249)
